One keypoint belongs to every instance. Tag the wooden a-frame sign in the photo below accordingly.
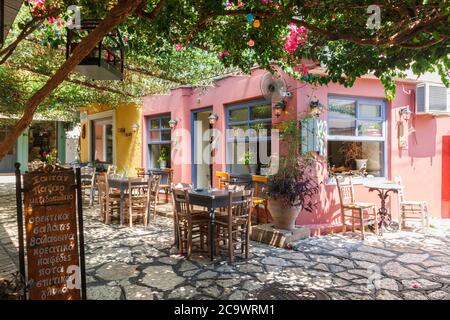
(52, 252)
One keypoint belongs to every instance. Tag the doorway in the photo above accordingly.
(446, 177)
(102, 140)
(202, 167)
(7, 163)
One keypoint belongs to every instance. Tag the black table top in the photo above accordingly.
(210, 199)
(209, 194)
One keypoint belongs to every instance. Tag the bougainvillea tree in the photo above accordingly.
(349, 38)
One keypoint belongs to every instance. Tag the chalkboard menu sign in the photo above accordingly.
(52, 234)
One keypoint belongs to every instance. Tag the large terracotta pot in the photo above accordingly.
(284, 217)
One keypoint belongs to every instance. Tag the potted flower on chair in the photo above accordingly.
(249, 160)
(293, 187)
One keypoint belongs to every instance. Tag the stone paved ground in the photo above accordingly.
(124, 263)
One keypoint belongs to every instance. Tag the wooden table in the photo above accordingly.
(383, 189)
(212, 200)
(122, 184)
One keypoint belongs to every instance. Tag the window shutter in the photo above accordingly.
(313, 137)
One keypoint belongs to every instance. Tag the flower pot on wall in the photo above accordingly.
(283, 216)
(360, 163)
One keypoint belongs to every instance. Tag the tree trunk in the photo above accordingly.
(116, 16)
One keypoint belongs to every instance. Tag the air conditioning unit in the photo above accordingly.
(433, 99)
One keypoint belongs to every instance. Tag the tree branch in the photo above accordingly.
(74, 81)
(400, 37)
(149, 15)
(117, 15)
(28, 29)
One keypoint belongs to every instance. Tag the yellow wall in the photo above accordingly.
(128, 149)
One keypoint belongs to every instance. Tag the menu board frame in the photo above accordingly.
(51, 238)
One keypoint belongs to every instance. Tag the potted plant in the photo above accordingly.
(353, 151)
(293, 187)
(249, 160)
(163, 157)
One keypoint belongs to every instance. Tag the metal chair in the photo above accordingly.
(357, 209)
(410, 210)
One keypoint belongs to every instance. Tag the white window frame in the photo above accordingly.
(383, 138)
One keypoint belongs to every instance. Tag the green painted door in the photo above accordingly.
(22, 150)
(61, 140)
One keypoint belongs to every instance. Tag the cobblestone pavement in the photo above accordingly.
(124, 263)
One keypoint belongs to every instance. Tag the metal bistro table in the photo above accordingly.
(383, 189)
(122, 184)
(212, 200)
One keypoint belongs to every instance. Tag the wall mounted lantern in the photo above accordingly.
(213, 119)
(405, 113)
(135, 127)
(173, 123)
(279, 107)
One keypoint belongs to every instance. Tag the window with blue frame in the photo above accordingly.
(159, 142)
(254, 145)
(357, 134)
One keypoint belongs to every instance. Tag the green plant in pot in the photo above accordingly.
(353, 152)
(293, 187)
(163, 157)
(249, 160)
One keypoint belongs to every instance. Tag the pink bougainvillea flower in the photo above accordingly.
(229, 5)
(297, 36)
(125, 39)
(264, 1)
(178, 47)
(240, 4)
(251, 43)
(223, 54)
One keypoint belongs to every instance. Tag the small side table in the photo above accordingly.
(383, 189)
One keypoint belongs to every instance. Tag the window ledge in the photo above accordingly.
(358, 180)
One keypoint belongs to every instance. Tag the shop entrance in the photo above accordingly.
(7, 163)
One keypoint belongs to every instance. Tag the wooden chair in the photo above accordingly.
(112, 169)
(194, 209)
(357, 209)
(109, 201)
(223, 178)
(260, 185)
(410, 210)
(233, 227)
(164, 184)
(189, 227)
(88, 183)
(140, 172)
(153, 194)
(138, 200)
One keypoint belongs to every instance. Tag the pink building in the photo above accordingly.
(417, 149)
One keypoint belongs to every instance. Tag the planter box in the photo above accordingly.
(268, 234)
